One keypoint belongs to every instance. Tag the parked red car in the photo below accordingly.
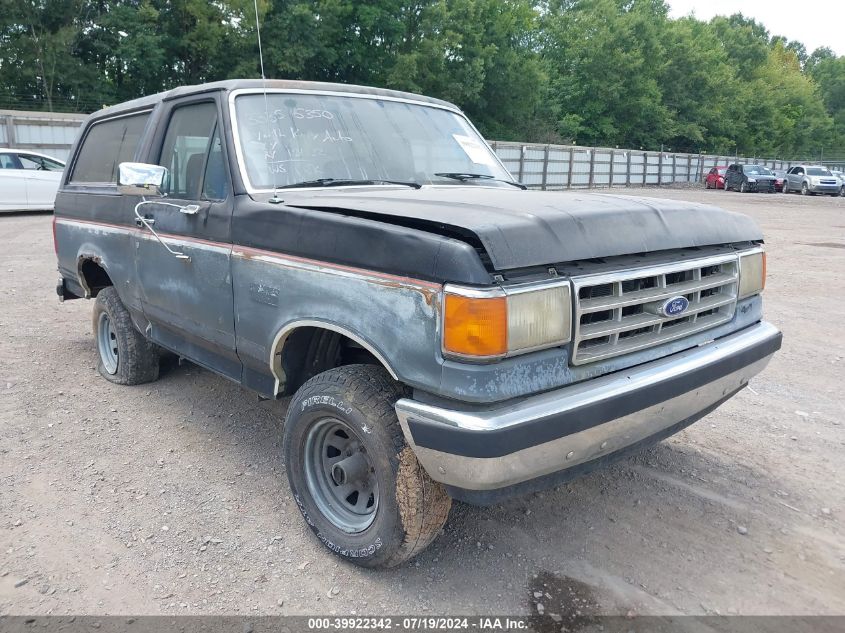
(715, 178)
(780, 174)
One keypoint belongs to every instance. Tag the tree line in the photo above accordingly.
(593, 72)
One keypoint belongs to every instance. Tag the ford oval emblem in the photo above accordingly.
(674, 307)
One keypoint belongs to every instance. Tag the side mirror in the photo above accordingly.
(141, 179)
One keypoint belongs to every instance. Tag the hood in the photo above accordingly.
(519, 229)
(763, 177)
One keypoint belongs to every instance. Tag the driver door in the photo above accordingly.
(188, 300)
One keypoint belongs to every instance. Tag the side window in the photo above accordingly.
(799, 170)
(9, 161)
(51, 165)
(193, 153)
(30, 162)
(106, 145)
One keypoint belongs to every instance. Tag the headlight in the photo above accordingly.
(490, 324)
(752, 273)
(752, 180)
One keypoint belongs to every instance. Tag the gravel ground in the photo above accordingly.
(172, 498)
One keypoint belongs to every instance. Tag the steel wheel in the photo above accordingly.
(340, 476)
(107, 343)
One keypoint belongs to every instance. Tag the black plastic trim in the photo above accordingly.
(499, 442)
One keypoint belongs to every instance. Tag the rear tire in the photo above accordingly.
(126, 357)
(356, 482)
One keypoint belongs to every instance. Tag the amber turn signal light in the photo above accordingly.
(475, 326)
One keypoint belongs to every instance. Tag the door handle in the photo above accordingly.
(147, 220)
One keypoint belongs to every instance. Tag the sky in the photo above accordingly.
(816, 23)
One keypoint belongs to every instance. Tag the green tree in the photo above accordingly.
(828, 71)
(38, 55)
(605, 60)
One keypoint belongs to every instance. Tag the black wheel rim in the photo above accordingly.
(340, 475)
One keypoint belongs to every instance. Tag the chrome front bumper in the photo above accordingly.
(487, 449)
(824, 188)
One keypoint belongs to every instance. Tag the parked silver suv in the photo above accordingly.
(810, 180)
(841, 176)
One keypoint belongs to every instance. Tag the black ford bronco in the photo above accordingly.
(444, 334)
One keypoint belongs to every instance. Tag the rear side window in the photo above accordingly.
(9, 161)
(106, 145)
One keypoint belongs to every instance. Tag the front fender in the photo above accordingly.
(395, 318)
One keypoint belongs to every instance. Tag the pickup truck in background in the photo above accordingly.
(442, 332)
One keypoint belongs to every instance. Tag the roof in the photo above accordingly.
(257, 84)
(23, 150)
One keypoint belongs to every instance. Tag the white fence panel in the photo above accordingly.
(574, 167)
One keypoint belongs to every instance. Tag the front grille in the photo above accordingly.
(617, 313)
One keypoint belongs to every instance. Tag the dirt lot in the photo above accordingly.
(172, 498)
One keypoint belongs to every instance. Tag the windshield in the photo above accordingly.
(307, 137)
(722, 171)
(754, 169)
(817, 171)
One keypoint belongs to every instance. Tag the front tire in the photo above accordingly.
(743, 188)
(356, 482)
(805, 191)
(126, 357)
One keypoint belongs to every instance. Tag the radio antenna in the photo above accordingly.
(275, 199)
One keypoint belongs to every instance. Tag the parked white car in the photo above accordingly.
(28, 180)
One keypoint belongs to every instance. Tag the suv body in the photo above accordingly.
(810, 180)
(841, 176)
(749, 178)
(462, 339)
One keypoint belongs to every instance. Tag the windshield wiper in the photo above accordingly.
(457, 175)
(340, 182)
